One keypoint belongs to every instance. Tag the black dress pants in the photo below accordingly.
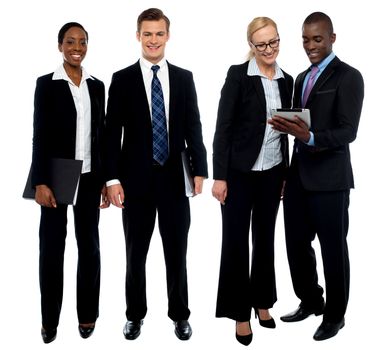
(52, 236)
(325, 214)
(254, 198)
(139, 215)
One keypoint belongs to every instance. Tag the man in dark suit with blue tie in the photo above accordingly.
(152, 117)
(316, 196)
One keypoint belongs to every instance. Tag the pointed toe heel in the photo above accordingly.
(270, 323)
(244, 339)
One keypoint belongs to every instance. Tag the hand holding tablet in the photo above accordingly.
(290, 113)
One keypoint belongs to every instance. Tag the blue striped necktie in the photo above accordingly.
(160, 138)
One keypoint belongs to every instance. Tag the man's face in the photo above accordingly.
(153, 36)
(317, 41)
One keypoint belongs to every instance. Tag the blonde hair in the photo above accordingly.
(256, 24)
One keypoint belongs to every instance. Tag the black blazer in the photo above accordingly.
(335, 103)
(241, 121)
(129, 147)
(55, 120)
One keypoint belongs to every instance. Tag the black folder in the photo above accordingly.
(63, 180)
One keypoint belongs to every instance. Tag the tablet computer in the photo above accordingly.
(290, 113)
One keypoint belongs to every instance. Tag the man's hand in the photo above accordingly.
(104, 203)
(219, 190)
(115, 195)
(295, 127)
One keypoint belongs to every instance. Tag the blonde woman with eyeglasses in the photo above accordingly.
(249, 164)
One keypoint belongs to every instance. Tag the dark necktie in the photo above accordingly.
(160, 139)
(310, 83)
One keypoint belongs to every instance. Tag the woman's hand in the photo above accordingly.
(44, 196)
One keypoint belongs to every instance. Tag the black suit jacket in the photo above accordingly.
(335, 103)
(241, 121)
(129, 147)
(55, 121)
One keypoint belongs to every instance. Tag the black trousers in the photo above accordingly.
(308, 213)
(139, 215)
(251, 197)
(52, 236)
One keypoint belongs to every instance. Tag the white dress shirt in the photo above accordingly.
(82, 104)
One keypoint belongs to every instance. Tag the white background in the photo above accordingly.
(206, 38)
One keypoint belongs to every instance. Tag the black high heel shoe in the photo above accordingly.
(244, 339)
(270, 323)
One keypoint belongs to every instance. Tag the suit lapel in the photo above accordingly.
(63, 90)
(173, 95)
(284, 93)
(138, 77)
(256, 81)
(327, 73)
(299, 89)
(136, 80)
(92, 96)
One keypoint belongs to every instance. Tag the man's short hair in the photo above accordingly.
(152, 14)
(320, 17)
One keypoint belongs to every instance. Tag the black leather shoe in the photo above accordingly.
(86, 332)
(302, 313)
(131, 329)
(328, 330)
(244, 339)
(182, 329)
(48, 335)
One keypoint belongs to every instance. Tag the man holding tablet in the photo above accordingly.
(316, 196)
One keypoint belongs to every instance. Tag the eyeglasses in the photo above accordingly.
(263, 46)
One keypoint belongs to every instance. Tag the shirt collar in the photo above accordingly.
(323, 64)
(253, 69)
(147, 64)
(60, 74)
